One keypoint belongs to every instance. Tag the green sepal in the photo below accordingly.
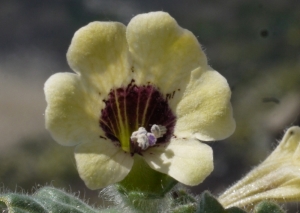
(137, 202)
(183, 201)
(46, 200)
(16, 203)
(234, 210)
(54, 198)
(186, 208)
(144, 182)
(209, 204)
(182, 196)
(267, 207)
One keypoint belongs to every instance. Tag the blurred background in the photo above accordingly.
(255, 44)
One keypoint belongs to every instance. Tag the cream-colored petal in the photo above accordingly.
(72, 115)
(163, 53)
(102, 164)
(277, 178)
(280, 185)
(205, 111)
(99, 52)
(186, 160)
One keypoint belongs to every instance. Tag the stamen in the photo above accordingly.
(145, 139)
(151, 139)
(158, 130)
(142, 141)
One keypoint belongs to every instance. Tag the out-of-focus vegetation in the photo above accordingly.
(255, 44)
(38, 161)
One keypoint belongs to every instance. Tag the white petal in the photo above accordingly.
(163, 53)
(72, 114)
(102, 164)
(186, 160)
(99, 52)
(276, 178)
(205, 111)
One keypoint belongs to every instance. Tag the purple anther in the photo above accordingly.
(151, 139)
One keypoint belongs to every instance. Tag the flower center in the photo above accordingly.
(137, 117)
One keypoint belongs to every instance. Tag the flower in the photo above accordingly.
(142, 91)
(277, 178)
